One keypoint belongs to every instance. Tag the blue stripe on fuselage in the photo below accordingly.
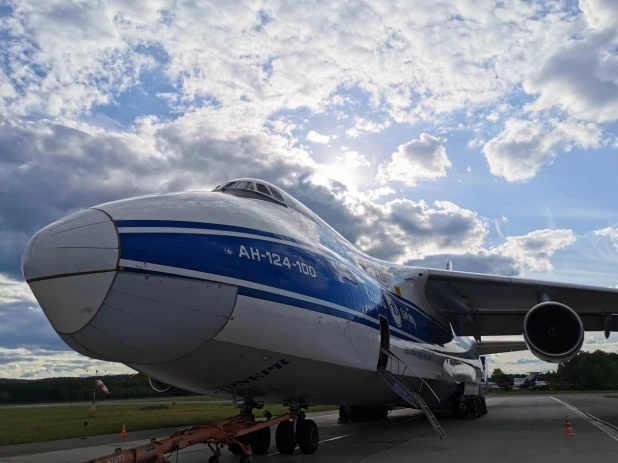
(198, 226)
(247, 259)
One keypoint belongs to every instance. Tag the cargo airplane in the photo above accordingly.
(245, 293)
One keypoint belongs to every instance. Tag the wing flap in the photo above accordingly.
(499, 347)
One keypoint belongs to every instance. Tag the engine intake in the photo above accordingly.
(158, 386)
(553, 332)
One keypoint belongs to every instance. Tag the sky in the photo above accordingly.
(484, 132)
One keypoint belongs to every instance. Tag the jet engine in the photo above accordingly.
(158, 386)
(553, 332)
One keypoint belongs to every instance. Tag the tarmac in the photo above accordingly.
(516, 428)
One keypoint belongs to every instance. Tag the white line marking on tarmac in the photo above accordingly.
(321, 442)
(335, 438)
(602, 425)
(348, 435)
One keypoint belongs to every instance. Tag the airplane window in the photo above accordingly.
(276, 194)
(262, 189)
(245, 185)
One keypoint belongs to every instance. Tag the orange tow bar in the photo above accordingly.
(219, 433)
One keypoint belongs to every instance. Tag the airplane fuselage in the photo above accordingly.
(228, 295)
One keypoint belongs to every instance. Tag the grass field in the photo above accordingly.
(184, 398)
(19, 426)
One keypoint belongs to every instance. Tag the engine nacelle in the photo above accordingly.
(158, 386)
(553, 332)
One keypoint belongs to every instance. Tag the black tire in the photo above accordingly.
(237, 449)
(308, 436)
(284, 438)
(260, 441)
(213, 459)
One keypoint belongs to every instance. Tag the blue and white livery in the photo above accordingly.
(244, 292)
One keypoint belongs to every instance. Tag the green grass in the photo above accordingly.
(23, 425)
(184, 398)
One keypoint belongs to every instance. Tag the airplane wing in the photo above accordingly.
(499, 347)
(487, 305)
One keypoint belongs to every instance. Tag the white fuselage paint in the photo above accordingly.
(237, 296)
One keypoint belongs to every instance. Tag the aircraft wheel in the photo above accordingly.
(260, 441)
(213, 459)
(284, 438)
(308, 436)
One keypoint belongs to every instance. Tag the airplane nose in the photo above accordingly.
(115, 312)
(70, 266)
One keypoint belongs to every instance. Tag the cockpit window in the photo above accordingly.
(276, 194)
(245, 185)
(249, 189)
(262, 189)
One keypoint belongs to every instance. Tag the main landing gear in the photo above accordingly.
(242, 434)
(299, 431)
(470, 407)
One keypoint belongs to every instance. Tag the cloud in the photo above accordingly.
(397, 230)
(362, 126)
(14, 291)
(420, 159)
(518, 254)
(376, 193)
(524, 147)
(611, 233)
(34, 363)
(579, 76)
(534, 250)
(317, 137)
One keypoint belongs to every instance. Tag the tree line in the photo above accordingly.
(596, 370)
(73, 389)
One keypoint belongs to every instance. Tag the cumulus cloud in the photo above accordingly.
(534, 250)
(524, 147)
(362, 126)
(579, 76)
(317, 137)
(379, 192)
(420, 159)
(517, 255)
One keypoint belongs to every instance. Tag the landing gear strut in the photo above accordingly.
(299, 431)
(258, 441)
